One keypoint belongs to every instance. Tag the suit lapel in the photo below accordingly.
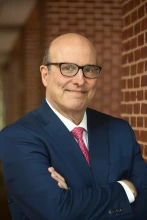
(66, 142)
(98, 145)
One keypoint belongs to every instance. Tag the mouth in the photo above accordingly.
(76, 94)
(76, 91)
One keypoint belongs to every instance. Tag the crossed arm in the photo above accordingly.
(37, 196)
(62, 183)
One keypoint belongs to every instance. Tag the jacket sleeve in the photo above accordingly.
(139, 179)
(25, 164)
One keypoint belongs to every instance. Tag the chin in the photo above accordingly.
(76, 107)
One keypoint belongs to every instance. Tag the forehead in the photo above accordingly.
(75, 50)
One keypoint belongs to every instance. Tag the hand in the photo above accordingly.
(131, 186)
(56, 176)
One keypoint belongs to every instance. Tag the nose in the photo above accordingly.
(79, 78)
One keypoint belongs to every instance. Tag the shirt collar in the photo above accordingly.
(69, 124)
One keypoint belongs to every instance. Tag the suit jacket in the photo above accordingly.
(39, 140)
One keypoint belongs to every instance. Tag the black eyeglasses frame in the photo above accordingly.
(79, 67)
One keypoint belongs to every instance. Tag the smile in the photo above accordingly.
(76, 91)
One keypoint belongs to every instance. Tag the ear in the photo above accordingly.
(44, 74)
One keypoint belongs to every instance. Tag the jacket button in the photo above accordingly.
(111, 211)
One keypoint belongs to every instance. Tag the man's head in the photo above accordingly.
(71, 93)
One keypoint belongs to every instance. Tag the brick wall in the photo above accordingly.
(31, 61)
(21, 77)
(100, 21)
(13, 86)
(134, 79)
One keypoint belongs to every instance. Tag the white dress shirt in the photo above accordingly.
(70, 126)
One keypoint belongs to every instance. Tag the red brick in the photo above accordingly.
(136, 3)
(125, 34)
(145, 96)
(146, 7)
(124, 9)
(127, 20)
(144, 24)
(141, 11)
(133, 121)
(123, 83)
(137, 54)
(140, 67)
(133, 95)
(133, 69)
(137, 134)
(130, 83)
(141, 39)
(139, 121)
(145, 122)
(134, 16)
(123, 97)
(124, 59)
(144, 80)
(130, 5)
(144, 52)
(140, 95)
(137, 108)
(126, 118)
(127, 96)
(136, 82)
(145, 65)
(143, 136)
(134, 43)
(130, 31)
(126, 70)
(137, 28)
(123, 108)
(129, 108)
(127, 46)
(130, 57)
(144, 108)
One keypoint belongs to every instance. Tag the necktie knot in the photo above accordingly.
(77, 132)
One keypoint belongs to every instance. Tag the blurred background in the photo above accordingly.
(117, 28)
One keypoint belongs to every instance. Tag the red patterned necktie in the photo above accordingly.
(78, 134)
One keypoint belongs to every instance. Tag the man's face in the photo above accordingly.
(69, 94)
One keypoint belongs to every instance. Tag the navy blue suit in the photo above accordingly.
(39, 140)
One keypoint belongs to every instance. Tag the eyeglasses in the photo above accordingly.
(71, 69)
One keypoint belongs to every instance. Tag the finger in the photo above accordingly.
(55, 177)
(52, 170)
(58, 175)
(62, 185)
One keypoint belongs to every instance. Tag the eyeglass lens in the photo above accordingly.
(70, 69)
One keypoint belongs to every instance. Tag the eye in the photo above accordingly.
(89, 69)
(68, 67)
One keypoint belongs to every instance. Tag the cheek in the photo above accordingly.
(56, 85)
(93, 87)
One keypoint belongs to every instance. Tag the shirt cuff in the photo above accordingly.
(129, 193)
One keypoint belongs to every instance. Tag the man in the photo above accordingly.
(100, 175)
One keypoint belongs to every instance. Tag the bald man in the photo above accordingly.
(64, 161)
